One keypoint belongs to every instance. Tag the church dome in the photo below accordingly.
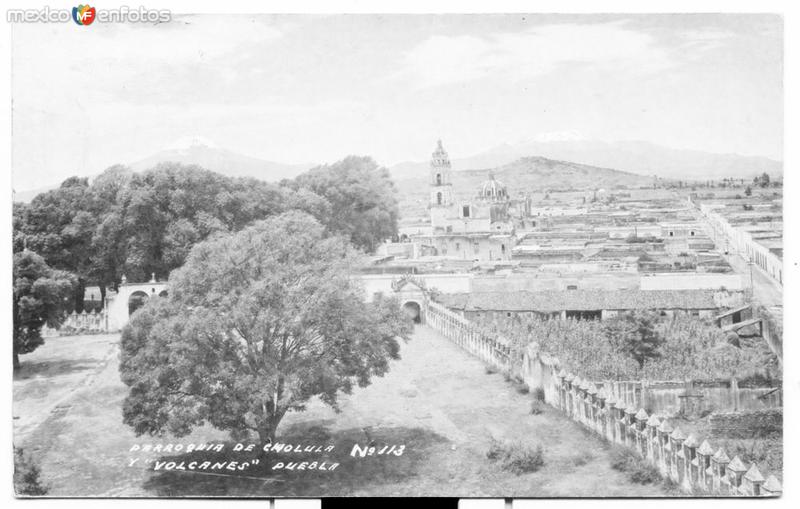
(493, 190)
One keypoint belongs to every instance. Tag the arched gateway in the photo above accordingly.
(412, 293)
(129, 298)
(413, 310)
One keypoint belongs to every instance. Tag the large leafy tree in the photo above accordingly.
(362, 197)
(41, 295)
(256, 323)
(109, 238)
(636, 334)
(167, 210)
(58, 225)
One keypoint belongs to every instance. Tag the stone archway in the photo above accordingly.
(136, 300)
(411, 292)
(413, 310)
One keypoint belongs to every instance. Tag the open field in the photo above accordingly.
(437, 401)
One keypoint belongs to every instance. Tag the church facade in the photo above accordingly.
(479, 227)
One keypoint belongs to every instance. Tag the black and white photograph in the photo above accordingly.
(504, 255)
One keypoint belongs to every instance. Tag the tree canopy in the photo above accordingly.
(636, 335)
(142, 223)
(41, 294)
(362, 197)
(256, 323)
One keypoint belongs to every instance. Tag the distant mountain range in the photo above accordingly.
(207, 155)
(639, 157)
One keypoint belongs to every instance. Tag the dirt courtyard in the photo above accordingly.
(437, 400)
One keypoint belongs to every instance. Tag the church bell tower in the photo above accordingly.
(441, 200)
(440, 178)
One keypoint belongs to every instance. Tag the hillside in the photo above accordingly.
(639, 157)
(525, 175)
(532, 174)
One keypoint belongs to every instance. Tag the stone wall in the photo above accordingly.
(490, 348)
(693, 398)
(756, 424)
(695, 465)
(81, 323)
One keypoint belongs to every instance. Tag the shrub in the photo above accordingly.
(620, 457)
(490, 370)
(26, 476)
(638, 469)
(536, 407)
(582, 458)
(524, 459)
(522, 388)
(516, 457)
(538, 394)
(497, 450)
(643, 472)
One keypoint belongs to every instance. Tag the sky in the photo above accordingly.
(315, 88)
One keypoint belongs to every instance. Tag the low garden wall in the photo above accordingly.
(74, 323)
(492, 350)
(694, 398)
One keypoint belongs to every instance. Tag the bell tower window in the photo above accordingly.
(438, 198)
(438, 179)
(465, 211)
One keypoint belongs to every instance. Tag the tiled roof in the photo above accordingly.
(580, 300)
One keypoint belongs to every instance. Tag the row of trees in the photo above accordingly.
(142, 223)
(136, 224)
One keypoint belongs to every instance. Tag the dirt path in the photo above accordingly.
(52, 375)
(437, 399)
(440, 387)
